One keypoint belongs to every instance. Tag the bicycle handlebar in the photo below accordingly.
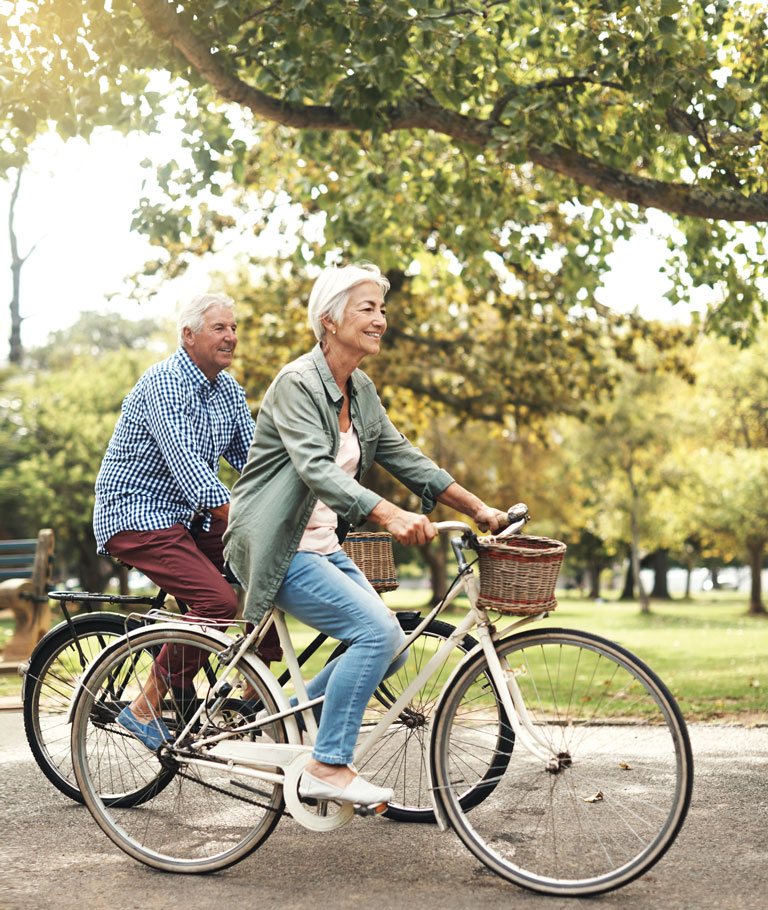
(517, 517)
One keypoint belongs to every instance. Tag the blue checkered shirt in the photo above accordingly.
(162, 462)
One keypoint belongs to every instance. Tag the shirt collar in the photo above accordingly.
(193, 372)
(326, 375)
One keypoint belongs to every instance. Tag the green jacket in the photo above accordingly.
(291, 464)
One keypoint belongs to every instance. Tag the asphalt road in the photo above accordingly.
(53, 855)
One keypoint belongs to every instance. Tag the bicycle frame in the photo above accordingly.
(257, 760)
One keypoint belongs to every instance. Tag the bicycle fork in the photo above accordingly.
(505, 683)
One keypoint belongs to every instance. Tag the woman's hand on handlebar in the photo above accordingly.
(485, 517)
(405, 527)
(490, 519)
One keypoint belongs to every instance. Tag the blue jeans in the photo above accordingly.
(330, 594)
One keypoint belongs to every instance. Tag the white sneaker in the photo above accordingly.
(358, 791)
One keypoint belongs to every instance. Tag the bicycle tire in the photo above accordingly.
(400, 759)
(51, 679)
(621, 786)
(198, 818)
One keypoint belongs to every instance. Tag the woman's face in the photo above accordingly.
(364, 322)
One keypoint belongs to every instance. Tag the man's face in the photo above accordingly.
(213, 347)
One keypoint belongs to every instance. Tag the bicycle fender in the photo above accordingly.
(41, 646)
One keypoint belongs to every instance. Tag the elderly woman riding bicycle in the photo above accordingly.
(320, 427)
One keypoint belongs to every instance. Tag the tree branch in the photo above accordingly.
(675, 198)
(423, 112)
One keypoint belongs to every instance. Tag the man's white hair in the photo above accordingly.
(331, 290)
(192, 313)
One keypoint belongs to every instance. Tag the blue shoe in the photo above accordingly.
(152, 735)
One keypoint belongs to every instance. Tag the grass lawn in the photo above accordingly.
(711, 654)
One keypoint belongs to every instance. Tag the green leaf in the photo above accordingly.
(667, 25)
(24, 121)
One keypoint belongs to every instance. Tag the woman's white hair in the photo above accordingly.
(191, 314)
(331, 290)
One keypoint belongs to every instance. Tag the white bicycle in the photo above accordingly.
(558, 757)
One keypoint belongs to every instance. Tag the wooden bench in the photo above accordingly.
(25, 576)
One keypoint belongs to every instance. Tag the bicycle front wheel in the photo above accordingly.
(192, 817)
(52, 676)
(614, 798)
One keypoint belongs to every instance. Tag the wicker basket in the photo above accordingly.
(518, 574)
(372, 552)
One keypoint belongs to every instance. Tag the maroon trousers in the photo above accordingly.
(189, 569)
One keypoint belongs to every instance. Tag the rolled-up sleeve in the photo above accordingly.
(309, 445)
(409, 464)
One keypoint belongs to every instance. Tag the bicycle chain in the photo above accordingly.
(177, 771)
(214, 787)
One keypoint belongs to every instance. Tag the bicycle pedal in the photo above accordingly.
(365, 811)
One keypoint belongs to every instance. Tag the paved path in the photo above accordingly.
(52, 855)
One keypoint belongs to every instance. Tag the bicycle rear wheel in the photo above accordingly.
(621, 785)
(193, 817)
(52, 676)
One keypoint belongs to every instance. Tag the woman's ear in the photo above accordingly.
(330, 327)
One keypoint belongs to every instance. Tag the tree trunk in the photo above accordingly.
(15, 350)
(436, 560)
(122, 577)
(756, 548)
(660, 559)
(629, 583)
(688, 574)
(594, 568)
(644, 605)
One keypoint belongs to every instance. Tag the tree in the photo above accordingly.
(730, 410)
(620, 460)
(453, 349)
(733, 507)
(15, 350)
(94, 334)
(54, 429)
(486, 127)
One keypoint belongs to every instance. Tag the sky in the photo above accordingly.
(75, 207)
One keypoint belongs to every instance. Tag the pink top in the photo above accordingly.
(320, 533)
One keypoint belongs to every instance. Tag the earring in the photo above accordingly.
(334, 331)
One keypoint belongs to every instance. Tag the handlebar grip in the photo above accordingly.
(518, 511)
(518, 516)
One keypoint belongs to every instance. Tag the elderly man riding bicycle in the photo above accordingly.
(161, 469)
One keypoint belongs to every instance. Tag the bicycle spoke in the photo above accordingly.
(176, 814)
(619, 784)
